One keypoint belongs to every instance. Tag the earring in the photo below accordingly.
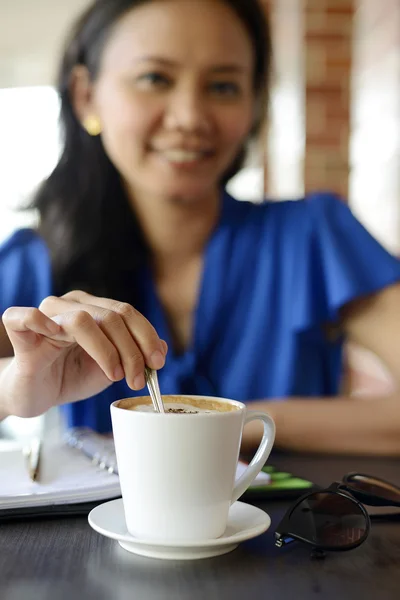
(92, 125)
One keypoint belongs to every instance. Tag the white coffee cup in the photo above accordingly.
(177, 471)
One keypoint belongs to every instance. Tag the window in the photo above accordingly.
(29, 148)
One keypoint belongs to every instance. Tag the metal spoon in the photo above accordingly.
(154, 389)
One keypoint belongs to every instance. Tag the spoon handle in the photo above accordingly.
(154, 389)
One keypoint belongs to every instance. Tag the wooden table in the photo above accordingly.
(64, 559)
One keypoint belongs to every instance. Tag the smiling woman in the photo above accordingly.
(154, 123)
(141, 257)
(175, 116)
(170, 112)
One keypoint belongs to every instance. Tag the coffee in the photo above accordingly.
(178, 405)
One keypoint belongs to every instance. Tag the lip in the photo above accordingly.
(184, 157)
(194, 149)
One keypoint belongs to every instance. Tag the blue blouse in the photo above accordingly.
(273, 276)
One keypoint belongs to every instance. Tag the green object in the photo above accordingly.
(290, 483)
(268, 469)
(282, 484)
(278, 476)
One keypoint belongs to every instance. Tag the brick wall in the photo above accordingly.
(328, 27)
(308, 137)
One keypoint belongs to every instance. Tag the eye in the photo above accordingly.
(153, 79)
(225, 88)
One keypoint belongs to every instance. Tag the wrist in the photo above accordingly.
(6, 377)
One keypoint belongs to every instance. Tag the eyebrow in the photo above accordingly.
(223, 68)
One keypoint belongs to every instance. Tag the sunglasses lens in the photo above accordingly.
(374, 486)
(329, 519)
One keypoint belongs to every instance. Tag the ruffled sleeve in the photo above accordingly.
(340, 261)
(25, 270)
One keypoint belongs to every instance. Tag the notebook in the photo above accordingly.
(66, 476)
(76, 473)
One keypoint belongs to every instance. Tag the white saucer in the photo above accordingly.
(244, 522)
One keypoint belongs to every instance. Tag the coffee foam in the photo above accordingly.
(177, 405)
(174, 407)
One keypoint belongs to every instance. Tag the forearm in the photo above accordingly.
(340, 425)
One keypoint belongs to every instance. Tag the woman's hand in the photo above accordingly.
(73, 347)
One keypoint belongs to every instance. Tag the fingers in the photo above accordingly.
(140, 329)
(127, 353)
(81, 326)
(133, 337)
(19, 320)
(72, 326)
(165, 347)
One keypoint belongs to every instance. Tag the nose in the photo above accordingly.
(187, 111)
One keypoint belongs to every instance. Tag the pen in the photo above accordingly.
(32, 455)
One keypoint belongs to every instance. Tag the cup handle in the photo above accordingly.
(260, 456)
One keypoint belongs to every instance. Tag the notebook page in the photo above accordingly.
(66, 475)
(261, 479)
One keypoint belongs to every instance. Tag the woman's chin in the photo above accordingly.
(189, 194)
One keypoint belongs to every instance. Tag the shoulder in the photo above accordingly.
(25, 270)
(20, 242)
(327, 206)
(309, 216)
(301, 216)
(312, 204)
(248, 212)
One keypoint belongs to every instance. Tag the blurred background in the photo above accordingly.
(334, 119)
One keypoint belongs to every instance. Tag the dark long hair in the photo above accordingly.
(95, 240)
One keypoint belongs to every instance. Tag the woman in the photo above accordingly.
(159, 101)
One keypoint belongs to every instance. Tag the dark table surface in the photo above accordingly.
(65, 559)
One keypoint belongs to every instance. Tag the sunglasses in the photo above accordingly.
(335, 518)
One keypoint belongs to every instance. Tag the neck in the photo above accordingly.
(176, 230)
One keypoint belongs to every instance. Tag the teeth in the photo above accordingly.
(182, 155)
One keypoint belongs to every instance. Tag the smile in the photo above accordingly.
(184, 156)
